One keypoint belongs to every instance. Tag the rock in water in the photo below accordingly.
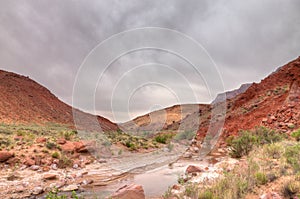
(132, 191)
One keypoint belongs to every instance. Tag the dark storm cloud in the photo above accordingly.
(48, 41)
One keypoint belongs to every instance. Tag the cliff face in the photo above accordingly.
(274, 102)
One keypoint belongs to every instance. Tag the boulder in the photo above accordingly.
(71, 187)
(61, 141)
(49, 176)
(85, 146)
(35, 167)
(29, 162)
(68, 147)
(132, 191)
(37, 190)
(193, 169)
(5, 155)
(41, 140)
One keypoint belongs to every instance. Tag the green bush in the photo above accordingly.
(242, 144)
(163, 138)
(261, 178)
(186, 135)
(69, 134)
(64, 161)
(273, 150)
(266, 136)
(292, 155)
(54, 195)
(50, 145)
(245, 141)
(296, 135)
(55, 155)
(290, 188)
(207, 194)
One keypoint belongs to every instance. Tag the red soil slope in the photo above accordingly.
(23, 100)
(274, 102)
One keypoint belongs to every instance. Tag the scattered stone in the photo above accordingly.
(132, 191)
(193, 169)
(61, 141)
(84, 173)
(29, 162)
(46, 168)
(213, 161)
(85, 146)
(5, 155)
(176, 187)
(13, 177)
(101, 161)
(187, 155)
(54, 166)
(270, 195)
(86, 182)
(13, 161)
(75, 166)
(49, 176)
(41, 140)
(68, 147)
(19, 189)
(23, 167)
(35, 167)
(264, 120)
(37, 190)
(71, 187)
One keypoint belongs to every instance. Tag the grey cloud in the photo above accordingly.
(48, 41)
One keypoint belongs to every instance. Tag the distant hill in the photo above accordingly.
(274, 102)
(24, 101)
(231, 94)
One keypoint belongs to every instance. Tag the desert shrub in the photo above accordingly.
(242, 144)
(53, 194)
(55, 155)
(292, 155)
(21, 133)
(290, 188)
(231, 186)
(266, 136)
(50, 145)
(64, 161)
(5, 142)
(296, 135)
(128, 144)
(273, 150)
(186, 135)
(207, 194)
(69, 134)
(5, 132)
(191, 190)
(168, 193)
(163, 138)
(261, 178)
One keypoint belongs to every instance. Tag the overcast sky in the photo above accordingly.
(48, 41)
